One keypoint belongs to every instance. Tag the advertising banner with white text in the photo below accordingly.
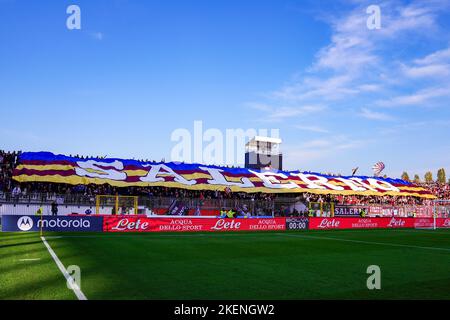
(138, 224)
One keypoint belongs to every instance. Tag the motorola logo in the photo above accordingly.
(25, 223)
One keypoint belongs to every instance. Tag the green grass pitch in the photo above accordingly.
(415, 264)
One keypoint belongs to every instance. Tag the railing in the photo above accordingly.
(45, 199)
(276, 206)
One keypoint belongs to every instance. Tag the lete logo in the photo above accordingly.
(396, 223)
(127, 225)
(222, 224)
(325, 224)
(25, 223)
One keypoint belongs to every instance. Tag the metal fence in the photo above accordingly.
(28, 203)
(47, 198)
(255, 206)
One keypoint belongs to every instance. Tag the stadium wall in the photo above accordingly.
(340, 210)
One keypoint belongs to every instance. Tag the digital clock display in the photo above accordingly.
(296, 223)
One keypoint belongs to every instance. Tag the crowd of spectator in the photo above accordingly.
(9, 160)
(442, 191)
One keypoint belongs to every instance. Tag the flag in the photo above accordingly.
(377, 168)
(48, 167)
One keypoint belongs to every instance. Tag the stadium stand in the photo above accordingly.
(160, 199)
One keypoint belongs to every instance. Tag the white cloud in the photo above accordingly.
(362, 66)
(417, 126)
(434, 65)
(283, 112)
(331, 88)
(438, 57)
(418, 17)
(354, 47)
(353, 62)
(432, 70)
(278, 113)
(311, 128)
(259, 106)
(350, 47)
(423, 97)
(373, 115)
(369, 87)
(319, 143)
(308, 153)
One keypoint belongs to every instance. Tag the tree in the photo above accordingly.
(405, 176)
(416, 178)
(441, 176)
(428, 177)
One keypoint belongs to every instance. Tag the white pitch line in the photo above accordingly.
(80, 295)
(365, 242)
(35, 259)
(152, 236)
(214, 235)
(425, 231)
(126, 236)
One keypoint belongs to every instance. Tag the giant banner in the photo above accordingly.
(47, 167)
(139, 224)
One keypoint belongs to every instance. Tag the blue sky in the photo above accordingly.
(342, 95)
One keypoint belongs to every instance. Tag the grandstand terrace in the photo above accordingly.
(159, 199)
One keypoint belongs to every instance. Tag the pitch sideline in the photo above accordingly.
(212, 235)
(76, 289)
(361, 241)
